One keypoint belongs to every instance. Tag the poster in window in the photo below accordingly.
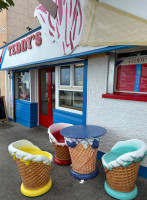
(143, 81)
(126, 78)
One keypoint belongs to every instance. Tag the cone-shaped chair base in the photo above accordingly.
(38, 192)
(121, 195)
(61, 162)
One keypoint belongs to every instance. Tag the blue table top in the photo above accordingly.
(83, 131)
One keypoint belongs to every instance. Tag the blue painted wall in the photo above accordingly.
(60, 116)
(26, 113)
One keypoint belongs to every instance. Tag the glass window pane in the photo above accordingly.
(78, 100)
(66, 99)
(24, 85)
(65, 75)
(78, 74)
(70, 99)
(44, 92)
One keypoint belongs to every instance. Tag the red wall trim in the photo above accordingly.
(126, 96)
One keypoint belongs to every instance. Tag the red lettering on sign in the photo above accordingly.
(9, 49)
(13, 49)
(25, 44)
(137, 60)
(38, 38)
(29, 40)
(18, 47)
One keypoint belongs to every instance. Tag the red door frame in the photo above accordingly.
(43, 119)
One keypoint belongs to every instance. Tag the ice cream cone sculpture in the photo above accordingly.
(34, 167)
(62, 155)
(121, 166)
(83, 155)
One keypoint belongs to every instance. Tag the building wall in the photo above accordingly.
(3, 38)
(122, 119)
(9, 97)
(16, 19)
(20, 16)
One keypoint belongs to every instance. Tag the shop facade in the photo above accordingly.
(103, 86)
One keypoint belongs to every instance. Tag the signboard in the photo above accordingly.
(34, 53)
(25, 44)
(3, 110)
(143, 81)
(133, 61)
(66, 27)
(126, 77)
(132, 78)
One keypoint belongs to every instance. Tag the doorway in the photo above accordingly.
(46, 96)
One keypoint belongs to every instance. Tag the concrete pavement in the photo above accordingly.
(65, 187)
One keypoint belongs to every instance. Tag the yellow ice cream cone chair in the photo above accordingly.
(34, 167)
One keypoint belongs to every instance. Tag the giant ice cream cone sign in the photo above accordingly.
(89, 23)
(66, 28)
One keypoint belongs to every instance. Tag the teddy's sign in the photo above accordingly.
(25, 44)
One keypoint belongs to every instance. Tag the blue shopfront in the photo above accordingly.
(51, 94)
(45, 86)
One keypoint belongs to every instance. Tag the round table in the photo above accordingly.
(83, 143)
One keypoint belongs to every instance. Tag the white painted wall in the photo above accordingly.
(34, 85)
(135, 7)
(9, 98)
(122, 119)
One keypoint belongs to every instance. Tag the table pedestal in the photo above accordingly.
(84, 176)
(83, 161)
(83, 143)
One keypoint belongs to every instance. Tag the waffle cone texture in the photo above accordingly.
(123, 179)
(83, 160)
(61, 152)
(34, 176)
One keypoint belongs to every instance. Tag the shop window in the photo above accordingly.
(130, 79)
(70, 90)
(23, 79)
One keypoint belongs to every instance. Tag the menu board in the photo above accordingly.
(126, 77)
(132, 78)
(143, 81)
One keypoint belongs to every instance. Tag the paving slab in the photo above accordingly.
(65, 187)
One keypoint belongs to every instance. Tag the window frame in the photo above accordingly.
(71, 88)
(111, 91)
